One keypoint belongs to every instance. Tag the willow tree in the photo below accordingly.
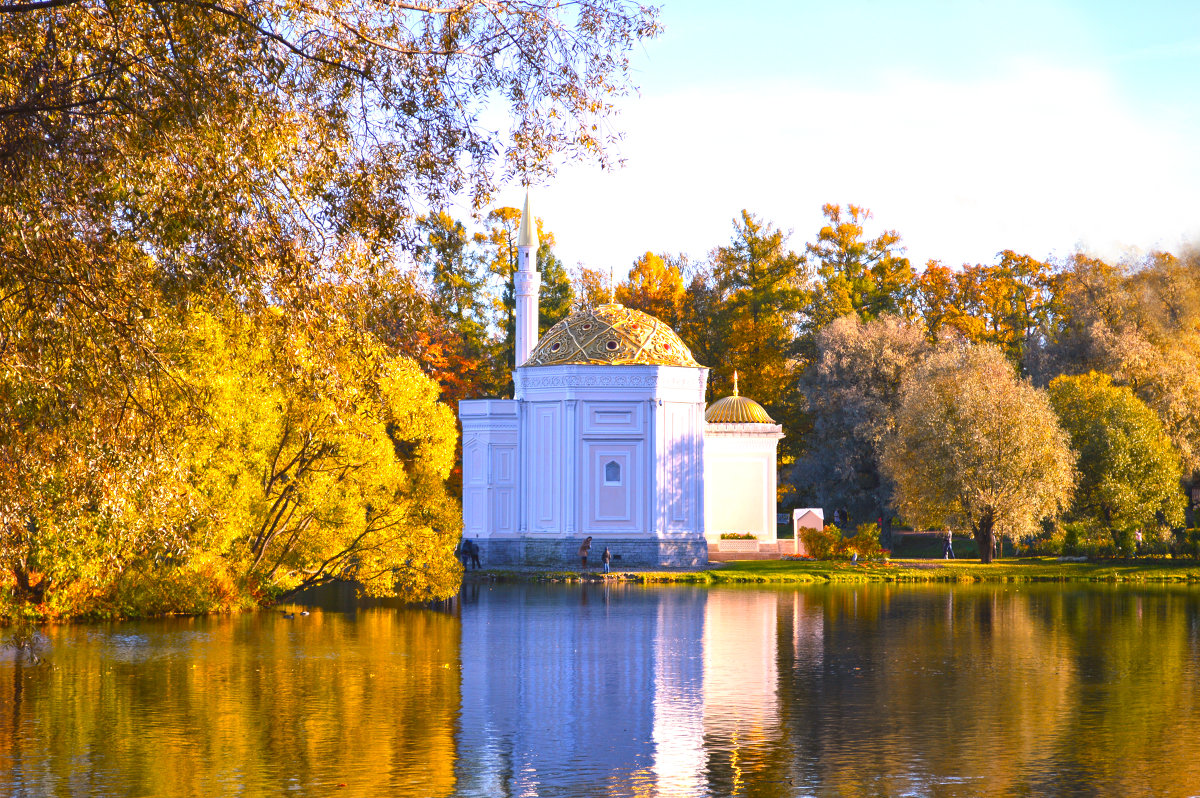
(977, 447)
(853, 392)
(325, 458)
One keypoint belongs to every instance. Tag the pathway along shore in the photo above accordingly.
(1025, 569)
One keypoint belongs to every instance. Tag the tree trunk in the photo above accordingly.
(985, 535)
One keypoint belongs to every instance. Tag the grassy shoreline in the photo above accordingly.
(1025, 569)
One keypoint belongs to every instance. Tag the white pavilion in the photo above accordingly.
(606, 437)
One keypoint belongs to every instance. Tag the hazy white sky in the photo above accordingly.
(968, 127)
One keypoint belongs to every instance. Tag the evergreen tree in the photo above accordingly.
(761, 284)
(869, 277)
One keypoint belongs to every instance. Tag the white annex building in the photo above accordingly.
(606, 437)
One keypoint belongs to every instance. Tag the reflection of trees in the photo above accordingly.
(866, 690)
(1134, 724)
(993, 691)
(248, 705)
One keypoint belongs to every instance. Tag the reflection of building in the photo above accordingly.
(626, 690)
(556, 695)
(605, 436)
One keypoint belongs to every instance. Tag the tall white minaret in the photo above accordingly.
(527, 282)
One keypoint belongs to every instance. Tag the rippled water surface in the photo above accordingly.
(530, 690)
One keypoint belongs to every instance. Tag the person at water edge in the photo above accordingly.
(462, 552)
(948, 547)
(474, 552)
(605, 558)
(583, 550)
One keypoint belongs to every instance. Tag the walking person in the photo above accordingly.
(583, 551)
(605, 558)
(463, 552)
(474, 553)
(948, 547)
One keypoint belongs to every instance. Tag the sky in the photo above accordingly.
(967, 127)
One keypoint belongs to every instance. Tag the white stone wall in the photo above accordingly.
(615, 452)
(491, 463)
(740, 480)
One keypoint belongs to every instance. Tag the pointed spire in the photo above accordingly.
(735, 393)
(527, 237)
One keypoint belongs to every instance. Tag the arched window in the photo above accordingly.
(612, 473)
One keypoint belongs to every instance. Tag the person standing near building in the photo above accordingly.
(605, 558)
(584, 548)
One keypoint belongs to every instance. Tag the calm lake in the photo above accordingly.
(550, 690)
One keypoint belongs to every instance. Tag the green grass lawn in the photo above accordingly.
(1025, 569)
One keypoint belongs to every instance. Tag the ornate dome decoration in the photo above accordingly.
(736, 410)
(611, 335)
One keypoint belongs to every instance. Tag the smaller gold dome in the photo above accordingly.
(736, 410)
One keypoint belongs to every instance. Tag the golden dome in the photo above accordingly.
(737, 410)
(611, 335)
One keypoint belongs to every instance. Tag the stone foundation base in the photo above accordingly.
(563, 554)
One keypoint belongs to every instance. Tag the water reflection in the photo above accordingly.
(626, 691)
(250, 705)
(860, 691)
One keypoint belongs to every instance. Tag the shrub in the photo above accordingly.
(865, 543)
(819, 543)
(738, 536)
(831, 543)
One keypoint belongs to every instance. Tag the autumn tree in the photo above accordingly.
(852, 390)
(1009, 304)
(445, 251)
(557, 294)
(500, 245)
(702, 319)
(977, 447)
(325, 458)
(457, 318)
(936, 294)
(761, 283)
(856, 274)
(1140, 324)
(1129, 471)
(156, 156)
(590, 287)
(655, 286)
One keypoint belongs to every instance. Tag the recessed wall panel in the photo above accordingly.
(546, 466)
(680, 461)
(613, 486)
(613, 418)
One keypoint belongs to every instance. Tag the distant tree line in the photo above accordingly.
(993, 397)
